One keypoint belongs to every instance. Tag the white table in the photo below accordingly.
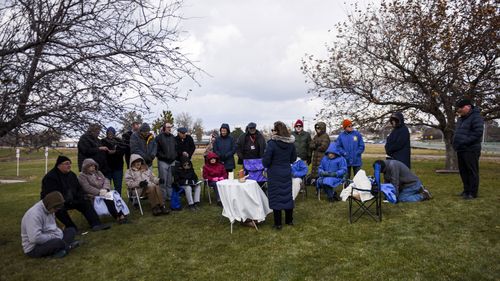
(242, 201)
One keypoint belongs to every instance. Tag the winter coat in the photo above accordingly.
(351, 146)
(299, 169)
(318, 146)
(468, 132)
(146, 148)
(397, 145)
(38, 226)
(185, 145)
(66, 184)
(126, 141)
(250, 146)
(302, 145)
(185, 176)
(133, 177)
(115, 160)
(92, 183)
(225, 148)
(88, 147)
(166, 148)
(279, 154)
(213, 172)
(336, 165)
(399, 175)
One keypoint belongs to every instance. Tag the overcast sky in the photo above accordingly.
(252, 51)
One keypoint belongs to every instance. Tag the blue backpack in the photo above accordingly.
(175, 200)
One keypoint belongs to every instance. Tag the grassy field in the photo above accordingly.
(442, 239)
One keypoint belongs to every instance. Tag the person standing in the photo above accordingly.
(318, 146)
(278, 157)
(351, 145)
(185, 144)
(39, 232)
(225, 147)
(89, 146)
(251, 144)
(143, 143)
(114, 158)
(126, 140)
(166, 153)
(397, 146)
(302, 142)
(467, 144)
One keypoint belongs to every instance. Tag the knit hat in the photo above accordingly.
(144, 128)
(463, 102)
(112, 130)
(60, 159)
(299, 123)
(251, 125)
(53, 200)
(346, 123)
(182, 130)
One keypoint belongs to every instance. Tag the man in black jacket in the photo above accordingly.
(166, 153)
(397, 145)
(62, 179)
(185, 144)
(89, 146)
(251, 144)
(467, 144)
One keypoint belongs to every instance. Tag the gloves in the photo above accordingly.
(102, 192)
(143, 184)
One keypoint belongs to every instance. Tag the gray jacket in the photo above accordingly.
(399, 174)
(38, 226)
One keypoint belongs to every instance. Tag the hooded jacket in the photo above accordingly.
(303, 145)
(92, 183)
(336, 165)
(351, 146)
(133, 177)
(280, 153)
(38, 226)
(225, 148)
(185, 176)
(468, 132)
(250, 146)
(213, 172)
(319, 145)
(397, 145)
(146, 148)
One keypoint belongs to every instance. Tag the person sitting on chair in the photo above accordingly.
(140, 177)
(186, 178)
(331, 171)
(408, 186)
(299, 171)
(214, 171)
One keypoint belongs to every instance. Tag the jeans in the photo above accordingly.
(412, 193)
(165, 173)
(117, 178)
(54, 245)
(189, 193)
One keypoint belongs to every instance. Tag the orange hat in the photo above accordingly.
(346, 123)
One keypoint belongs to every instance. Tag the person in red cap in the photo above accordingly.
(302, 142)
(351, 145)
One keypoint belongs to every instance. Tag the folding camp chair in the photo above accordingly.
(255, 171)
(135, 198)
(319, 184)
(205, 187)
(371, 207)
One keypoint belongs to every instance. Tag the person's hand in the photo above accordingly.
(143, 184)
(111, 151)
(103, 148)
(102, 192)
(185, 154)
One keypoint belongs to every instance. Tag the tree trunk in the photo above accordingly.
(451, 156)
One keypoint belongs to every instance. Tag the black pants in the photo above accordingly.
(468, 166)
(54, 245)
(288, 216)
(355, 169)
(84, 207)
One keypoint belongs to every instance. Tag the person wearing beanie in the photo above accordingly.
(397, 145)
(143, 143)
(351, 145)
(251, 144)
(467, 144)
(40, 235)
(89, 146)
(63, 180)
(114, 158)
(302, 142)
(185, 144)
(225, 147)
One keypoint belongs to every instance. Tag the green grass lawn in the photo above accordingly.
(442, 239)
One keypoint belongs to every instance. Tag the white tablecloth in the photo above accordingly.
(242, 201)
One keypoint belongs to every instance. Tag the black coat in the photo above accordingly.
(185, 176)
(166, 148)
(115, 160)
(248, 148)
(67, 184)
(279, 155)
(468, 132)
(88, 147)
(398, 142)
(186, 145)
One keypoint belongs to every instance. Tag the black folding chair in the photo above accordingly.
(372, 207)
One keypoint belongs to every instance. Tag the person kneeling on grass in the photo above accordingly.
(39, 232)
(140, 177)
(331, 171)
(214, 171)
(186, 178)
(408, 186)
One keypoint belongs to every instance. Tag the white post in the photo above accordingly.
(46, 158)
(484, 132)
(17, 156)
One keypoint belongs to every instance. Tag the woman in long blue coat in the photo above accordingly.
(280, 153)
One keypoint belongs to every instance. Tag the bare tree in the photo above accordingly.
(66, 63)
(185, 120)
(418, 57)
(198, 129)
(128, 118)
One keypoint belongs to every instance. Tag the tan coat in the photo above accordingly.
(92, 183)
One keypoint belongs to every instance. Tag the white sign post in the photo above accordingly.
(46, 158)
(17, 156)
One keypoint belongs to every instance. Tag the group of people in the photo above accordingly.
(286, 156)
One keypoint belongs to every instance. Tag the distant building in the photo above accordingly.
(66, 142)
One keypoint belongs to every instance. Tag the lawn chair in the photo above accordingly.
(205, 187)
(372, 207)
(135, 199)
(320, 183)
(255, 171)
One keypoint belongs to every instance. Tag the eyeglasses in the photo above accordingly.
(298, 126)
(273, 130)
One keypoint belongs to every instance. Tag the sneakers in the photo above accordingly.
(164, 210)
(192, 207)
(100, 227)
(426, 194)
(60, 254)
